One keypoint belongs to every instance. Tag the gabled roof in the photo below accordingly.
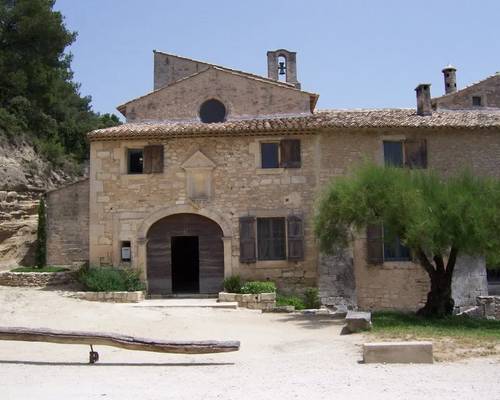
(313, 96)
(468, 87)
(329, 119)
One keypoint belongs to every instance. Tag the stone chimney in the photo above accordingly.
(283, 62)
(424, 106)
(450, 79)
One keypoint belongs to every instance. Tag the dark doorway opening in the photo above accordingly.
(185, 264)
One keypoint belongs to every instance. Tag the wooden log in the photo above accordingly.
(116, 340)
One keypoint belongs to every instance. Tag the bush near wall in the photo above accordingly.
(109, 279)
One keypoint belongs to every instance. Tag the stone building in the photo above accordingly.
(216, 173)
(484, 94)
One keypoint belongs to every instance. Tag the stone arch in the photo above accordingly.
(145, 260)
(183, 209)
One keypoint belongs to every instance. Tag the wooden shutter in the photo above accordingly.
(415, 153)
(153, 159)
(290, 153)
(374, 244)
(295, 238)
(247, 240)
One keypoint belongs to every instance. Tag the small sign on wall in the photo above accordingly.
(126, 251)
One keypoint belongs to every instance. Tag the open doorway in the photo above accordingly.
(185, 264)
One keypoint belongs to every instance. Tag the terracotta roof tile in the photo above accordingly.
(330, 119)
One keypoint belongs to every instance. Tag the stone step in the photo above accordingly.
(398, 352)
(187, 303)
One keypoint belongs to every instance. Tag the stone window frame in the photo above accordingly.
(258, 155)
(121, 153)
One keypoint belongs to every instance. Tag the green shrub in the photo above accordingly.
(233, 284)
(258, 287)
(295, 301)
(311, 298)
(109, 279)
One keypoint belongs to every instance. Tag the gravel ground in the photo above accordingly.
(282, 356)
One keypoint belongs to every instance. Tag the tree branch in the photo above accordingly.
(452, 259)
(438, 260)
(424, 262)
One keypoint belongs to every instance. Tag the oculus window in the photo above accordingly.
(212, 111)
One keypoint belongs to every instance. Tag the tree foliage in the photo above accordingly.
(437, 218)
(38, 96)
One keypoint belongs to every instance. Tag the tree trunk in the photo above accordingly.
(439, 301)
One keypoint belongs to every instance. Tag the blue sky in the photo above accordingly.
(355, 54)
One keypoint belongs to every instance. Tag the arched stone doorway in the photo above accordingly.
(185, 254)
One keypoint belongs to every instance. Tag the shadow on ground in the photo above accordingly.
(103, 364)
(312, 321)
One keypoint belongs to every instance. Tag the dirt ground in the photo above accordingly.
(282, 356)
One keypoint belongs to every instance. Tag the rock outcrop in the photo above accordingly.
(24, 177)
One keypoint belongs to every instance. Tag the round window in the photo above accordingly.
(212, 111)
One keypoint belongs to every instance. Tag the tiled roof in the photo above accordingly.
(330, 119)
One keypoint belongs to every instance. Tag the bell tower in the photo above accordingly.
(283, 63)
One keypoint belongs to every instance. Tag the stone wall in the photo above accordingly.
(243, 98)
(262, 301)
(169, 68)
(469, 281)
(35, 278)
(489, 307)
(68, 224)
(336, 282)
(488, 89)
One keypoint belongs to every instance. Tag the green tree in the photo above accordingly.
(41, 237)
(437, 218)
(37, 94)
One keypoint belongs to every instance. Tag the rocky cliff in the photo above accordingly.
(24, 177)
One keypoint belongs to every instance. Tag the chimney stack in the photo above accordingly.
(424, 106)
(450, 79)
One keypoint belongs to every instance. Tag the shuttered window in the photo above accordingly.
(382, 246)
(283, 154)
(290, 153)
(409, 153)
(247, 240)
(394, 250)
(153, 159)
(295, 238)
(271, 238)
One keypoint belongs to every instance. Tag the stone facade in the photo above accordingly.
(243, 96)
(214, 171)
(488, 90)
(68, 224)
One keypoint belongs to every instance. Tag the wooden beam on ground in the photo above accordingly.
(116, 340)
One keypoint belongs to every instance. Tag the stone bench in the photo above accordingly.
(398, 352)
(357, 321)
